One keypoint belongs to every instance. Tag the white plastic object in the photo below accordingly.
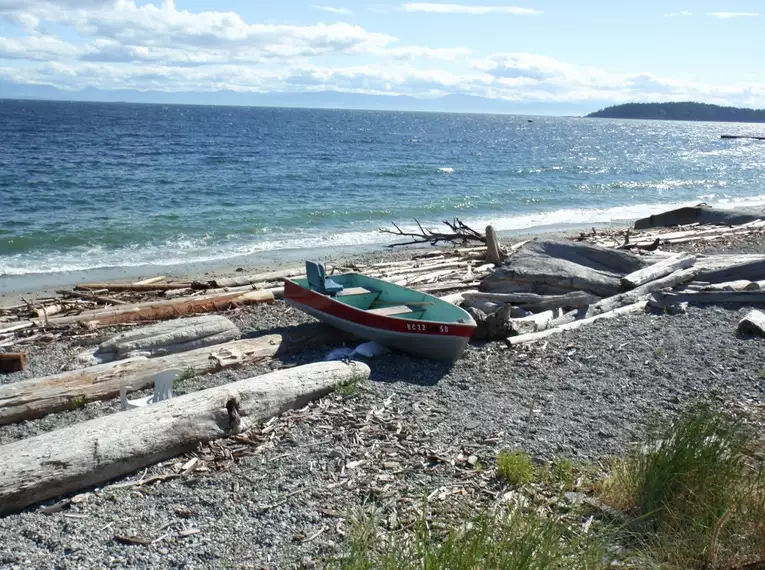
(371, 349)
(163, 389)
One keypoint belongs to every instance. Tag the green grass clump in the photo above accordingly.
(695, 490)
(351, 387)
(506, 539)
(515, 467)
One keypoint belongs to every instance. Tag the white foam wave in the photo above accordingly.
(446, 170)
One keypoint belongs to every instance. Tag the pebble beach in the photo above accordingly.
(415, 429)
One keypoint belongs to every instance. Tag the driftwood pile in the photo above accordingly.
(547, 287)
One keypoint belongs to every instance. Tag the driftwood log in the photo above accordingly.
(753, 323)
(494, 253)
(630, 297)
(658, 270)
(42, 396)
(137, 287)
(160, 310)
(63, 461)
(161, 339)
(533, 337)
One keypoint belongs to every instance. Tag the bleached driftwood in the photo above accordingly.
(170, 337)
(494, 253)
(265, 277)
(752, 323)
(740, 285)
(457, 298)
(136, 287)
(63, 461)
(658, 270)
(751, 271)
(630, 297)
(42, 396)
(534, 302)
(712, 297)
(159, 310)
(533, 337)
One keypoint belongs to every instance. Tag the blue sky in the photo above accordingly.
(549, 51)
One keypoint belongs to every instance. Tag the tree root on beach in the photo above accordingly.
(461, 233)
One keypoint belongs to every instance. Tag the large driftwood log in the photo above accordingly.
(170, 337)
(42, 396)
(93, 452)
(752, 271)
(160, 310)
(533, 337)
(658, 270)
(566, 265)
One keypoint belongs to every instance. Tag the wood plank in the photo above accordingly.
(90, 453)
(391, 311)
(354, 291)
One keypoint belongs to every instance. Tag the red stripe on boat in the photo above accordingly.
(340, 310)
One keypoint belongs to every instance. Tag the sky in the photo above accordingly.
(535, 51)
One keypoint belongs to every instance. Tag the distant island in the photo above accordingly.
(686, 111)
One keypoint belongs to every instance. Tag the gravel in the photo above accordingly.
(417, 427)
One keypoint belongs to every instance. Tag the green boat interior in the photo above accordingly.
(382, 298)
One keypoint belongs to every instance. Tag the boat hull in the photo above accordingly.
(428, 339)
(441, 347)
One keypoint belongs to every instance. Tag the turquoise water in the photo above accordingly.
(90, 185)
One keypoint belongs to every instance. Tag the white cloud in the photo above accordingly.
(730, 15)
(122, 44)
(333, 10)
(433, 8)
(677, 14)
(36, 48)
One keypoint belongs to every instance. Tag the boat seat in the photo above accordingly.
(355, 291)
(391, 311)
(317, 279)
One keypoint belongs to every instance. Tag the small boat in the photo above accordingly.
(373, 309)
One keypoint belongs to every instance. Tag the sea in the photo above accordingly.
(87, 186)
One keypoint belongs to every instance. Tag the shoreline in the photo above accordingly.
(15, 288)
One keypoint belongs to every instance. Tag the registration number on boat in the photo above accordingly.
(421, 328)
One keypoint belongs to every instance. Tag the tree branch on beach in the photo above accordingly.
(460, 233)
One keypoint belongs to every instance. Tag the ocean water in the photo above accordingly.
(91, 185)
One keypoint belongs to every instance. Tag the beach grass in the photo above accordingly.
(691, 496)
(506, 538)
(695, 491)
